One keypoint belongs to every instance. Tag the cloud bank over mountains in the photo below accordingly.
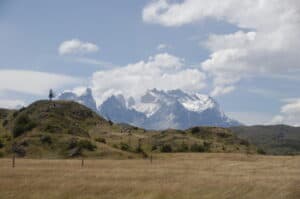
(266, 42)
(162, 71)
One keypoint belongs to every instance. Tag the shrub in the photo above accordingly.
(261, 151)
(86, 144)
(153, 148)
(206, 146)
(23, 124)
(244, 142)
(124, 146)
(1, 154)
(166, 148)
(183, 147)
(46, 139)
(1, 144)
(197, 148)
(102, 140)
(5, 122)
(82, 144)
(195, 130)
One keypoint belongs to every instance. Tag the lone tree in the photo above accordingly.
(51, 94)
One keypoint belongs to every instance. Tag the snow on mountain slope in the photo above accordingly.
(159, 109)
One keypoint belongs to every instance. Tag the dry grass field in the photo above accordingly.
(170, 176)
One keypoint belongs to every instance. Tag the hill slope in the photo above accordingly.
(277, 139)
(60, 129)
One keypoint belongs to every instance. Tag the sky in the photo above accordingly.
(245, 54)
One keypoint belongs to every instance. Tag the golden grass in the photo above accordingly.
(171, 176)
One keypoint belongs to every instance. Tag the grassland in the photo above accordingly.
(170, 176)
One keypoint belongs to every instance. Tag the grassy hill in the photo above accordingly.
(277, 139)
(63, 129)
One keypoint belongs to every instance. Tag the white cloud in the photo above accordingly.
(75, 46)
(33, 82)
(289, 114)
(162, 47)
(222, 90)
(11, 104)
(269, 47)
(163, 71)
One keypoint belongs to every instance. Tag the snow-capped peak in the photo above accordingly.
(154, 99)
(157, 109)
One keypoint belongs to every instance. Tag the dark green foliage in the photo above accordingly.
(183, 147)
(197, 148)
(52, 129)
(81, 144)
(195, 130)
(166, 148)
(15, 114)
(86, 144)
(244, 142)
(139, 147)
(18, 150)
(1, 143)
(46, 139)
(154, 147)
(206, 146)
(1, 154)
(124, 146)
(22, 125)
(110, 122)
(5, 122)
(101, 140)
(261, 151)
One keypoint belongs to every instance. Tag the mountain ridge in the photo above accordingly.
(158, 109)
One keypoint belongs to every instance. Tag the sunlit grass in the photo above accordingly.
(173, 176)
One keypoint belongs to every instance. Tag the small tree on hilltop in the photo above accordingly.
(51, 94)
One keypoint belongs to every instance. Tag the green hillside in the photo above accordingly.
(63, 129)
(277, 139)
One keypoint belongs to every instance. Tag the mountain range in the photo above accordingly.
(157, 109)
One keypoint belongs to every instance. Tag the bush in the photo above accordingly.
(86, 144)
(5, 122)
(46, 139)
(261, 151)
(23, 124)
(166, 148)
(183, 147)
(206, 146)
(82, 144)
(197, 148)
(244, 142)
(124, 146)
(101, 140)
(1, 144)
(1, 154)
(195, 130)
(153, 148)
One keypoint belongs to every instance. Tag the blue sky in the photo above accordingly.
(254, 82)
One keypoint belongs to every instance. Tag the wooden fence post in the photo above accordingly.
(13, 160)
(82, 162)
